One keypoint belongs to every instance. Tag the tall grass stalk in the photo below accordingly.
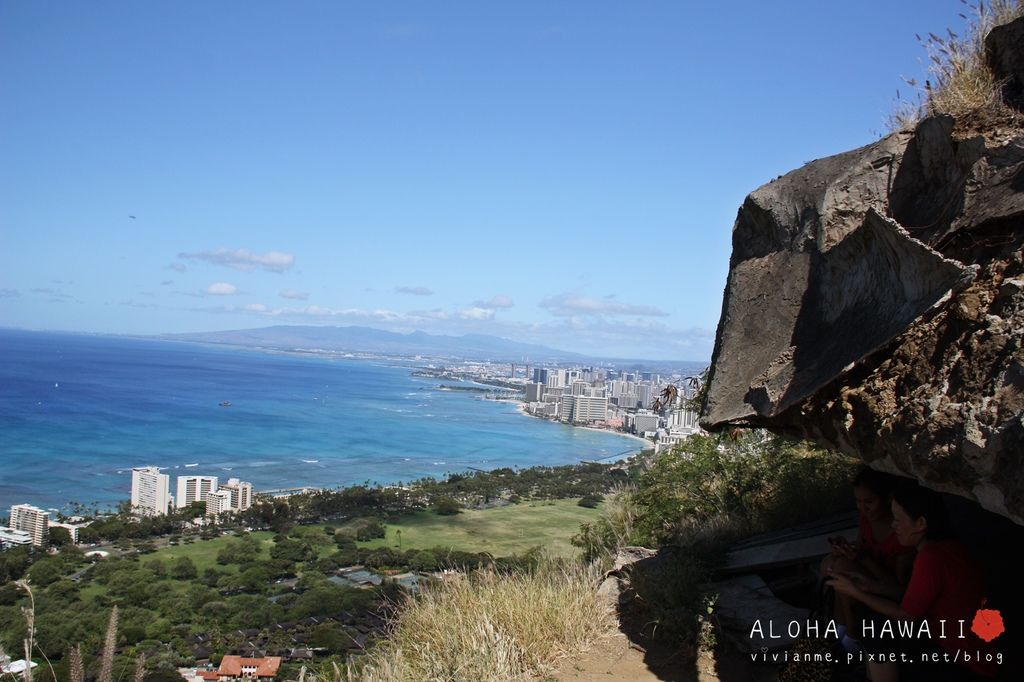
(140, 668)
(960, 83)
(487, 627)
(75, 667)
(109, 646)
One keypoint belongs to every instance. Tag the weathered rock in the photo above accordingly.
(1006, 59)
(875, 303)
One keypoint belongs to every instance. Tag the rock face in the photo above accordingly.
(875, 303)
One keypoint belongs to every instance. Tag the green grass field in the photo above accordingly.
(502, 531)
(204, 552)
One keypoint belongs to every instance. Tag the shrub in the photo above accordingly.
(446, 506)
(424, 560)
(590, 501)
(370, 530)
(183, 569)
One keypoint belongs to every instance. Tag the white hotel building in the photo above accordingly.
(32, 520)
(194, 489)
(151, 491)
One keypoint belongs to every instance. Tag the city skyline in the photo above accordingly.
(566, 176)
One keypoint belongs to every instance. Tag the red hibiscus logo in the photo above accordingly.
(988, 624)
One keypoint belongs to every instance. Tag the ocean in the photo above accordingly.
(77, 412)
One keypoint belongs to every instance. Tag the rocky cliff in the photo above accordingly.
(875, 302)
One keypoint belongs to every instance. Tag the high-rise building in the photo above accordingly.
(580, 387)
(556, 378)
(194, 489)
(590, 409)
(566, 407)
(534, 393)
(32, 520)
(540, 375)
(628, 401)
(645, 423)
(218, 502)
(582, 409)
(684, 419)
(151, 491)
(241, 494)
(645, 394)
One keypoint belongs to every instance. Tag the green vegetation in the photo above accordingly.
(204, 553)
(692, 502)
(696, 500)
(502, 531)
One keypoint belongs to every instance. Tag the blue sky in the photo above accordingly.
(560, 173)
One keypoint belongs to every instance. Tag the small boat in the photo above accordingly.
(189, 466)
(225, 403)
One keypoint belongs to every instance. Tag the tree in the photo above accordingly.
(60, 537)
(424, 560)
(183, 568)
(373, 528)
(446, 506)
(292, 550)
(44, 572)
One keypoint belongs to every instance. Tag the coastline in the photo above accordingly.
(361, 420)
(521, 408)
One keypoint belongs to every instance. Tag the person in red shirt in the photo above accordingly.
(881, 563)
(946, 587)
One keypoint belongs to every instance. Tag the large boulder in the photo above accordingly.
(875, 303)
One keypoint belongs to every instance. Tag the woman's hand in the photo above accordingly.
(843, 584)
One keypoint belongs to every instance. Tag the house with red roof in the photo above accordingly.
(237, 668)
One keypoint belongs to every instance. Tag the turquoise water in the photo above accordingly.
(77, 412)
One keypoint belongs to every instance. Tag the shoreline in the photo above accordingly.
(521, 408)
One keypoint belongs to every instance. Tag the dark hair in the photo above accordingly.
(879, 483)
(920, 502)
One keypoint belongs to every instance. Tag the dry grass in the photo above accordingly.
(487, 627)
(960, 83)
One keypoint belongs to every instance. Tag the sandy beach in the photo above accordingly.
(521, 407)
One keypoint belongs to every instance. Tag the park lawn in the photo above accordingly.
(90, 591)
(502, 531)
(204, 552)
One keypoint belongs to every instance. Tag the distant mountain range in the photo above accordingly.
(369, 340)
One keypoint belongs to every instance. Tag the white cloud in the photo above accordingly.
(167, 282)
(254, 308)
(222, 289)
(9, 293)
(178, 267)
(476, 313)
(568, 305)
(414, 291)
(496, 302)
(244, 259)
(294, 295)
(435, 314)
